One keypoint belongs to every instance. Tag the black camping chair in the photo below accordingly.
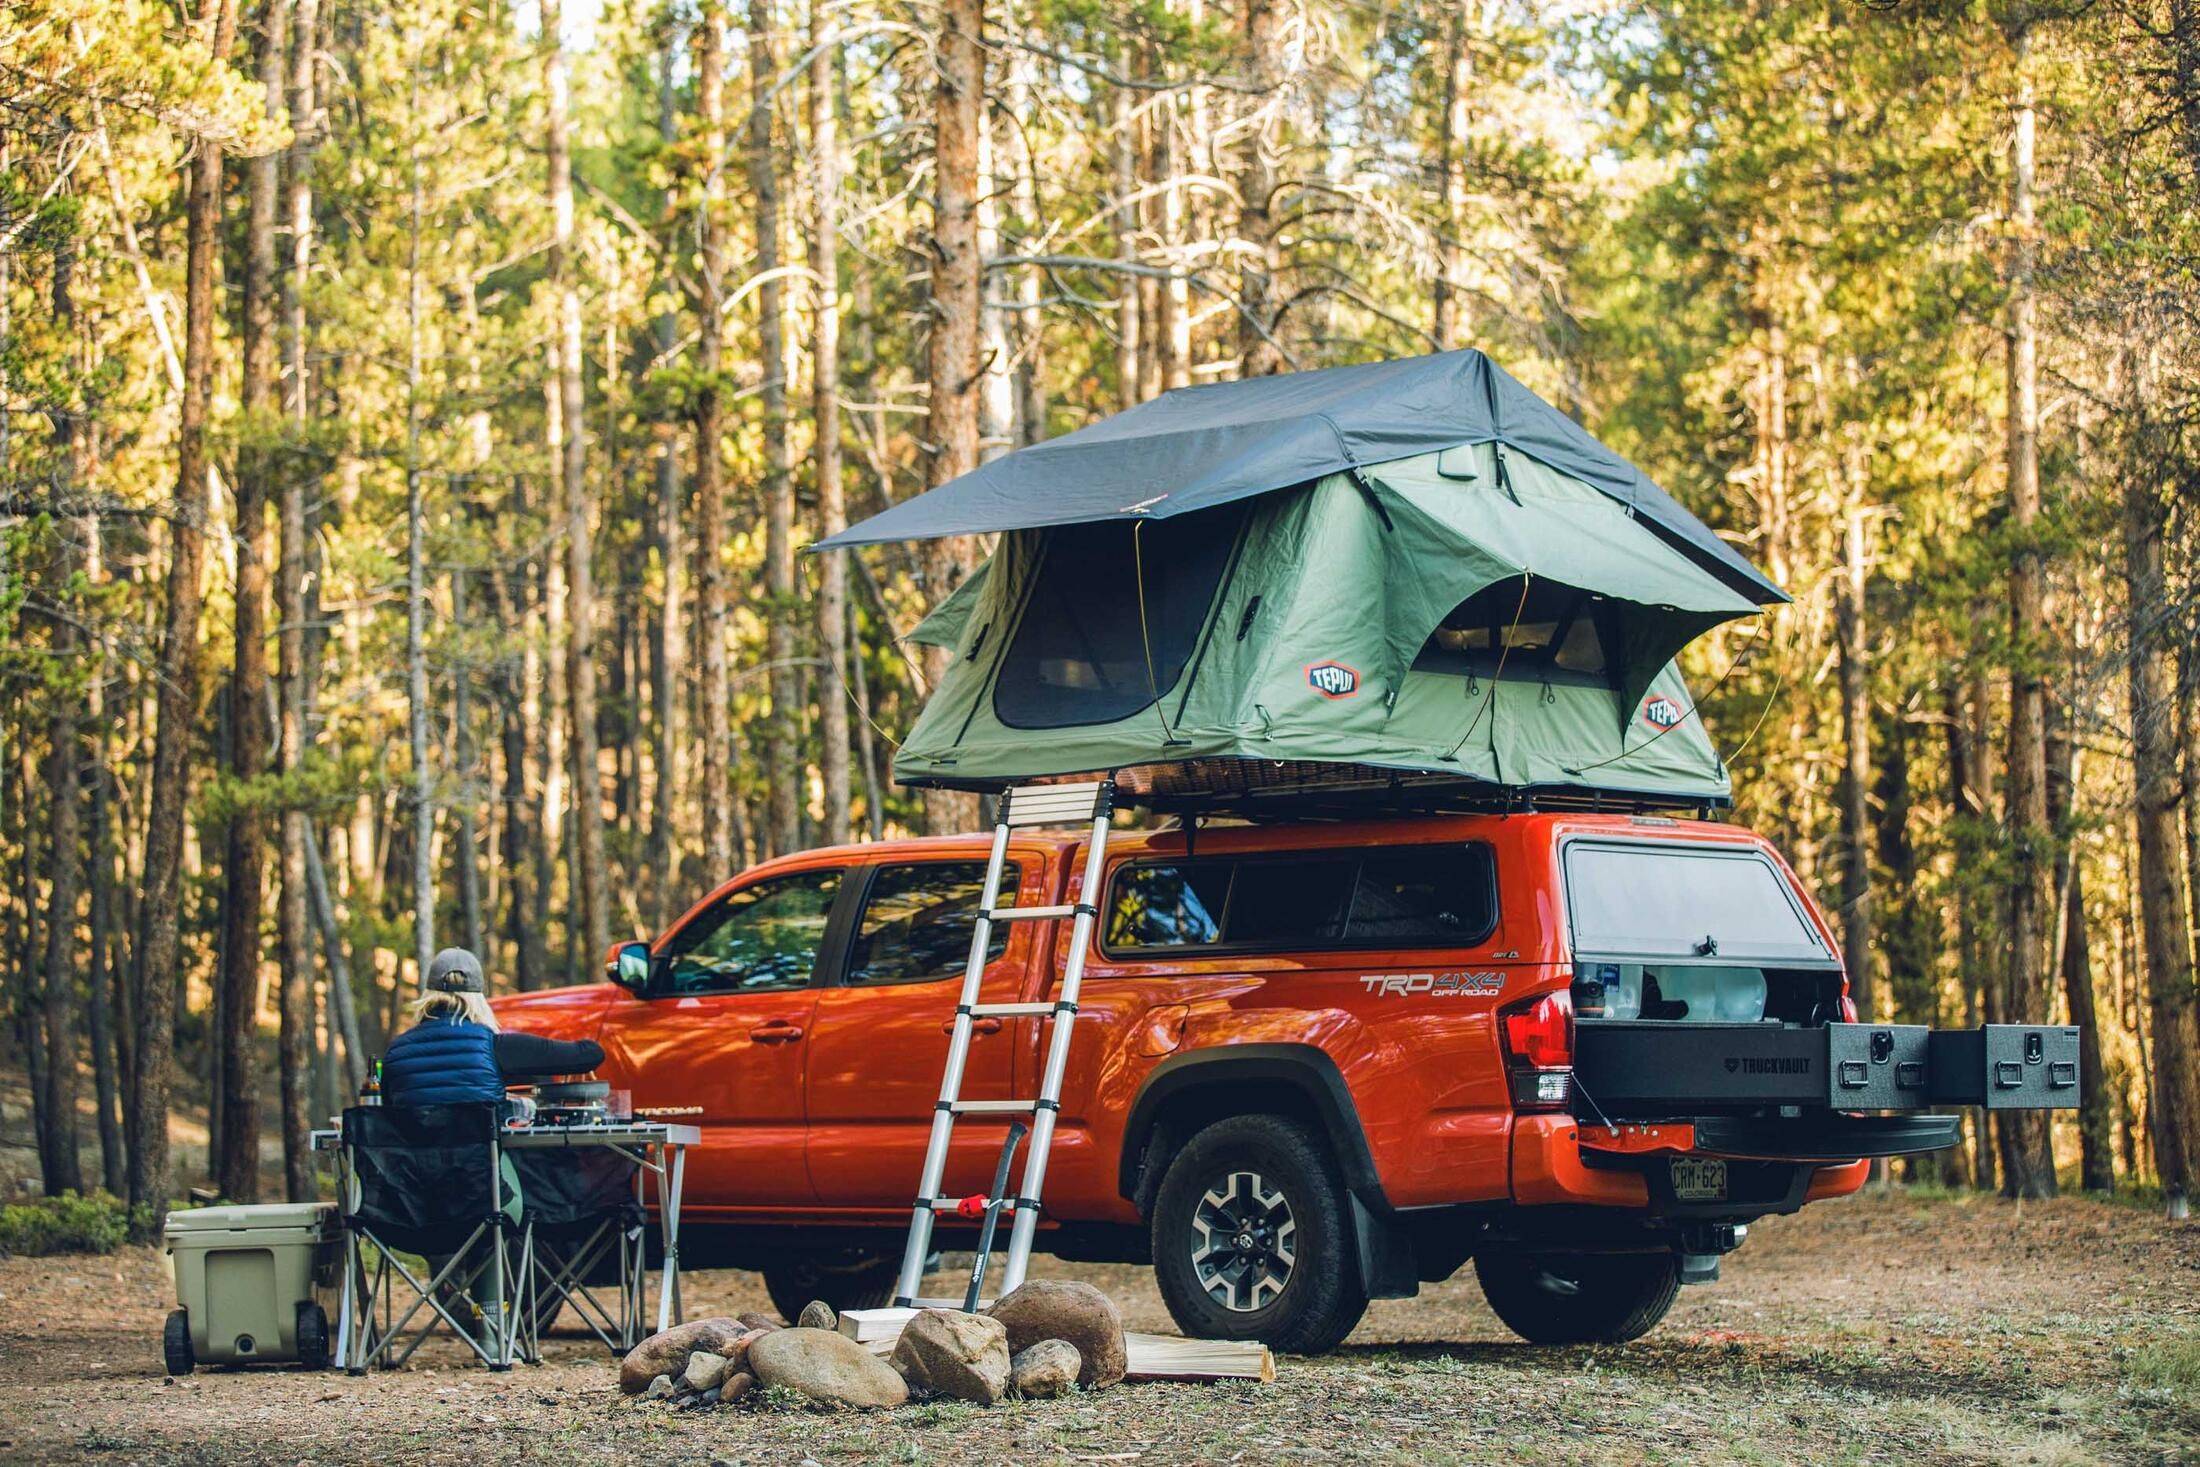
(424, 1182)
(585, 1220)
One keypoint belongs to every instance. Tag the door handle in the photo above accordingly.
(984, 1024)
(777, 1031)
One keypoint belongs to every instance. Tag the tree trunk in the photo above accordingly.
(293, 935)
(58, 1158)
(665, 698)
(178, 676)
(244, 862)
(1123, 153)
(951, 345)
(106, 1089)
(1257, 353)
(2164, 919)
(1451, 150)
(2028, 1163)
(783, 771)
(416, 528)
(832, 511)
(721, 846)
(1856, 764)
(590, 875)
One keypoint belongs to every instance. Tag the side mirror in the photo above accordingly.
(629, 966)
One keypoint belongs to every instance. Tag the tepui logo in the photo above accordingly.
(1662, 712)
(1332, 679)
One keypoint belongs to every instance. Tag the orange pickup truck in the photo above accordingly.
(1314, 1063)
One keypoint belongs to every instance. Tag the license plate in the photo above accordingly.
(1699, 1179)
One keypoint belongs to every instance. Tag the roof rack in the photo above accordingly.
(1307, 790)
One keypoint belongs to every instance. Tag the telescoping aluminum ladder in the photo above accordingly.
(1021, 808)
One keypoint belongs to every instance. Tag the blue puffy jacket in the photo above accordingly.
(442, 1061)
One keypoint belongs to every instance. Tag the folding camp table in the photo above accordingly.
(658, 1150)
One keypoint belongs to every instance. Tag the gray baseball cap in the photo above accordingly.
(454, 970)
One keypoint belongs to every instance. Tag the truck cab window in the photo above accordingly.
(759, 938)
(917, 922)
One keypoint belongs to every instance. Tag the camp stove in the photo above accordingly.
(570, 1103)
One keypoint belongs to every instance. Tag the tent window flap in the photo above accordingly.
(1081, 648)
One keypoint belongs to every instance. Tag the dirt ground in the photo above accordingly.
(1891, 1328)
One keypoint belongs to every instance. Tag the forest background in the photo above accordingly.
(411, 414)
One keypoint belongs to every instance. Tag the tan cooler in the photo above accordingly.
(245, 1278)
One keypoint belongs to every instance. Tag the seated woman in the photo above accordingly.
(454, 1054)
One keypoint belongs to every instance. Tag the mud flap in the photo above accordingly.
(1388, 1266)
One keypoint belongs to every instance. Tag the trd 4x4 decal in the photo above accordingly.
(1440, 985)
(1662, 712)
(1332, 679)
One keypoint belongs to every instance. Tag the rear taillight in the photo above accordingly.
(1539, 1050)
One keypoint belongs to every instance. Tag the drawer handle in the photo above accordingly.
(2008, 1075)
(1855, 1075)
(2062, 1074)
(1909, 1075)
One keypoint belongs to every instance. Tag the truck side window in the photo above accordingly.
(1425, 894)
(1412, 896)
(1295, 903)
(759, 938)
(1168, 905)
(917, 922)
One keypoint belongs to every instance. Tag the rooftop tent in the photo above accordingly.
(1436, 616)
(1416, 570)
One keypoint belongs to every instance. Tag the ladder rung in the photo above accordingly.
(956, 1303)
(1016, 1010)
(1029, 914)
(992, 1107)
(1056, 804)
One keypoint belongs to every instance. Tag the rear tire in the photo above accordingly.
(312, 1336)
(1252, 1238)
(1579, 1298)
(175, 1344)
(845, 1278)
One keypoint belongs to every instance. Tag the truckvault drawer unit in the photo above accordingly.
(1645, 1068)
(2005, 1066)
(1672, 1068)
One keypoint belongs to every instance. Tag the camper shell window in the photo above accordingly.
(1442, 896)
(1554, 632)
(1098, 641)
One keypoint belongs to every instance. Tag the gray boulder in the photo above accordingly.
(666, 1353)
(659, 1389)
(1045, 1370)
(1058, 1309)
(705, 1371)
(825, 1366)
(817, 1314)
(954, 1354)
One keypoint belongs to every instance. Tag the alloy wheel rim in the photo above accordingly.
(1244, 1242)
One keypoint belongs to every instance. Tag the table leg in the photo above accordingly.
(669, 1183)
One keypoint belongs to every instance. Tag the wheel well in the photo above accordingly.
(1189, 1092)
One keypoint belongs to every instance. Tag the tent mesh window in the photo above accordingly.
(1081, 651)
(1554, 633)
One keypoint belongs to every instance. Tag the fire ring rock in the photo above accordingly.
(1059, 1309)
(825, 1367)
(954, 1354)
(1045, 1370)
(667, 1352)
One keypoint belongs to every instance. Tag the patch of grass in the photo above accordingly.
(69, 1224)
(2171, 1367)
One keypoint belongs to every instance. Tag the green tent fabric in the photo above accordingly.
(1472, 614)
